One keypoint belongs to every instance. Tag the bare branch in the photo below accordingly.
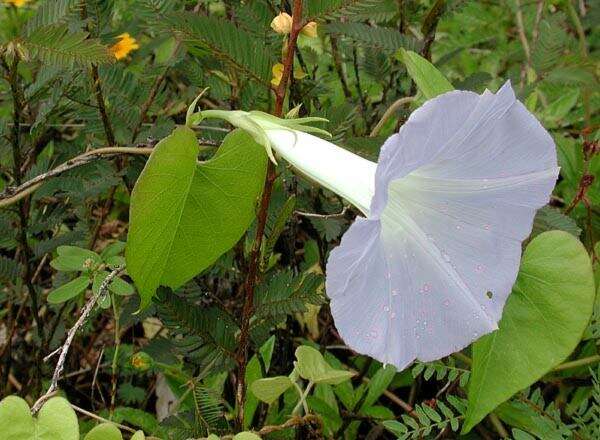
(323, 216)
(14, 194)
(87, 309)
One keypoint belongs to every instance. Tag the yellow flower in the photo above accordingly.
(309, 29)
(17, 3)
(125, 45)
(277, 71)
(282, 24)
(277, 74)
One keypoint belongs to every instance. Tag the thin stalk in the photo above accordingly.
(303, 396)
(584, 54)
(498, 426)
(115, 359)
(26, 253)
(389, 113)
(430, 26)
(361, 96)
(578, 363)
(102, 419)
(339, 66)
(13, 195)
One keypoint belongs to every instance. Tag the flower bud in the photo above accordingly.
(310, 29)
(282, 24)
(141, 361)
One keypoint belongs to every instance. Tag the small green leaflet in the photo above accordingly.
(269, 389)
(429, 80)
(312, 366)
(69, 290)
(185, 214)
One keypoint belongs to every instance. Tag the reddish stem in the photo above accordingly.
(253, 275)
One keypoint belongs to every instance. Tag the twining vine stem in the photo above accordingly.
(252, 276)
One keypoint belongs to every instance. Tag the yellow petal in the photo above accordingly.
(310, 30)
(17, 3)
(282, 24)
(124, 46)
(277, 71)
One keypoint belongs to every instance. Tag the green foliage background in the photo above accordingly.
(63, 93)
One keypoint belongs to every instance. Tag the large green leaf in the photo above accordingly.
(55, 421)
(543, 321)
(185, 214)
(429, 80)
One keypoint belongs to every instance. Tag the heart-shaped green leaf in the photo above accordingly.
(55, 421)
(68, 290)
(269, 389)
(312, 366)
(542, 323)
(104, 431)
(185, 214)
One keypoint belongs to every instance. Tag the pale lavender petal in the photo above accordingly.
(456, 192)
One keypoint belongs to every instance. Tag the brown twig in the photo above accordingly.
(342, 213)
(102, 419)
(524, 43)
(430, 25)
(536, 24)
(26, 252)
(254, 259)
(294, 421)
(14, 194)
(97, 87)
(64, 349)
(339, 67)
(389, 113)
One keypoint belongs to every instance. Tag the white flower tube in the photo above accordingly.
(335, 168)
(452, 197)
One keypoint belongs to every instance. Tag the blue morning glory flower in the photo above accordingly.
(429, 268)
